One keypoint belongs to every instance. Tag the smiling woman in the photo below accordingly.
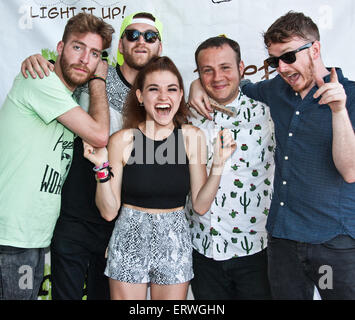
(151, 88)
(156, 161)
(162, 95)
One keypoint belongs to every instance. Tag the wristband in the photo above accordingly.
(103, 166)
(104, 180)
(102, 175)
(95, 76)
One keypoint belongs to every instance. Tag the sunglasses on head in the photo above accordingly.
(148, 36)
(288, 57)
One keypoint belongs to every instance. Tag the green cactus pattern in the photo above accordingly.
(233, 214)
(238, 183)
(205, 244)
(246, 246)
(245, 202)
(234, 225)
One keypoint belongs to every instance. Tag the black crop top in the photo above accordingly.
(157, 172)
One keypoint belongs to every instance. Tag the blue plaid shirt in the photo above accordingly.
(311, 202)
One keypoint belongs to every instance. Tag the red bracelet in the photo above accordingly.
(102, 175)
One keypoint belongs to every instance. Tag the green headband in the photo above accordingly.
(130, 20)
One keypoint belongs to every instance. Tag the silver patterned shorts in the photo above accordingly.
(147, 247)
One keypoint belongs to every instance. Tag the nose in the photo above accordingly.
(141, 39)
(163, 95)
(217, 75)
(84, 58)
(283, 66)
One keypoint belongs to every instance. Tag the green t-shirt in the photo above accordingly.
(35, 157)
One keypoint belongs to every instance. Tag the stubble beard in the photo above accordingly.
(70, 76)
(308, 76)
(134, 64)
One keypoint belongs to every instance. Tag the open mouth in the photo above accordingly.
(163, 109)
(292, 78)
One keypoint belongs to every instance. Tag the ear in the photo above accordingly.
(139, 96)
(316, 50)
(120, 45)
(160, 48)
(241, 68)
(181, 94)
(60, 47)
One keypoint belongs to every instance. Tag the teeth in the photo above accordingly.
(163, 106)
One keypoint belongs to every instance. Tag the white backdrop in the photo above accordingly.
(27, 26)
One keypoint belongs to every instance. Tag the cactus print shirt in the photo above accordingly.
(235, 224)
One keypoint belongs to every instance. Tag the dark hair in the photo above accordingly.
(84, 22)
(216, 42)
(133, 112)
(292, 24)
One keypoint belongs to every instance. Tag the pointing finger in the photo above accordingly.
(333, 76)
(319, 81)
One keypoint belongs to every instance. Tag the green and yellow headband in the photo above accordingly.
(130, 20)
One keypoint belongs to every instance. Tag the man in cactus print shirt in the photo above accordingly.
(229, 241)
(311, 223)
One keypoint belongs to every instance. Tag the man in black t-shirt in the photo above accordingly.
(81, 235)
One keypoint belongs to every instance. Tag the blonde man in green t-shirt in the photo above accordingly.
(38, 121)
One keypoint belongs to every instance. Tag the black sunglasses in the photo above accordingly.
(288, 57)
(148, 36)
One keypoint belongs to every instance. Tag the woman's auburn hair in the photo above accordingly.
(133, 112)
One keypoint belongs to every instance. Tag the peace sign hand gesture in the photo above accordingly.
(332, 93)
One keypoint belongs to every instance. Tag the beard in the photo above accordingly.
(307, 77)
(135, 63)
(72, 77)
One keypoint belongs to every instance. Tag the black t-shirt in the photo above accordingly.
(78, 192)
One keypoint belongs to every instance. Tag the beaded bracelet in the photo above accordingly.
(103, 166)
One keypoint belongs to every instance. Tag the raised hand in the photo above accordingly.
(332, 93)
(224, 147)
(101, 69)
(97, 156)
